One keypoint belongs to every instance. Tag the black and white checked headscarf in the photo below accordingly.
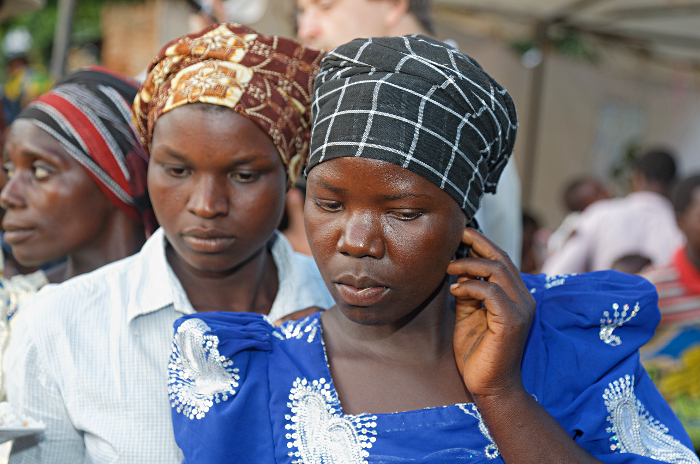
(417, 103)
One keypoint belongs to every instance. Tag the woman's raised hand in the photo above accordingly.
(494, 312)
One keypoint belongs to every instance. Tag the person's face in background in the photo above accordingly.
(52, 205)
(329, 23)
(217, 184)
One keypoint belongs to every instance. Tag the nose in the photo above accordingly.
(12, 195)
(307, 27)
(362, 237)
(209, 198)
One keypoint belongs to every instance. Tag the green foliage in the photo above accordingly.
(42, 23)
(564, 41)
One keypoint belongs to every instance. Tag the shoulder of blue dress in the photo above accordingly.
(604, 300)
(307, 329)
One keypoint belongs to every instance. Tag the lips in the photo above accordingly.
(205, 240)
(16, 234)
(360, 291)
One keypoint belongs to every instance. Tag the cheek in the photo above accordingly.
(168, 197)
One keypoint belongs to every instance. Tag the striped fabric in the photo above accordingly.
(678, 285)
(89, 357)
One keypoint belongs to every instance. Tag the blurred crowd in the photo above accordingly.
(80, 192)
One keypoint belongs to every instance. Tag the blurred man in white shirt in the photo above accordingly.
(642, 223)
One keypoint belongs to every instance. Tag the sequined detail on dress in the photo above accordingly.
(491, 450)
(317, 432)
(308, 327)
(608, 324)
(556, 280)
(635, 430)
(199, 376)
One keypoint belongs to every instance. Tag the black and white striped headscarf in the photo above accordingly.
(417, 103)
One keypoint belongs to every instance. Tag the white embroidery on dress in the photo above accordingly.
(608, 324)
(299, 329)
(556, 280)
(320, 432)
(635, 430)
(492, 451)
(199, 376)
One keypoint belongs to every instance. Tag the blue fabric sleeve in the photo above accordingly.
(582, 365)
(219, 388)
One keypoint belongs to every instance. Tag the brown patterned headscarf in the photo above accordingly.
(267, 79)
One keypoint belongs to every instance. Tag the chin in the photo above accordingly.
(369, 316)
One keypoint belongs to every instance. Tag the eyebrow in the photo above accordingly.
(237, 162)
(406, 195)
(400, 196)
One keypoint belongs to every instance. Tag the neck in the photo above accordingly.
(407, 25)
(250, 286)
(120, 238)
(425, 333)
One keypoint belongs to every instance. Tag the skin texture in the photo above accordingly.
(329, 23)
(689, 223)
(217, 184)
(398, 345)
(54, 208)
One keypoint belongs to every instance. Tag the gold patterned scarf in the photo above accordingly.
(267, 79)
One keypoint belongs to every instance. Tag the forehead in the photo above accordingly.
(25, 136)
(376, 181)
(211, 130)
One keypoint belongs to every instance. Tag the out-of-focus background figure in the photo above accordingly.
(24, 82)
(579, 194)
(672, 357)
(641, 223)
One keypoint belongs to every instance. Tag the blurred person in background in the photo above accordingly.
(579, 194)
(641, 223)
(24, 82)
(225, 116)
(631, 264)
(672, 357)
(329, 23)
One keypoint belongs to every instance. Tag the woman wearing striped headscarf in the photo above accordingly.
(77, 176)
(224, 115)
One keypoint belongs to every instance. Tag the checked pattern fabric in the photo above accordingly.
(417, 103)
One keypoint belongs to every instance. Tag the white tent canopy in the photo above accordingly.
(668, 29)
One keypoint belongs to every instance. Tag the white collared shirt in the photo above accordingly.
(89, 357)
(641, 223)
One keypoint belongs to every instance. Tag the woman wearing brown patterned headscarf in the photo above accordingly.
(224, 116)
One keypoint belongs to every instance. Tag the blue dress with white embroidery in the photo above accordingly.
(243, 391)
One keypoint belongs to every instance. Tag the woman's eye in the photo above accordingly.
(327, 4)
(244, 177)
(407, 216)
(176, 171)
(9, 170)
(40, 172)
(329, 205)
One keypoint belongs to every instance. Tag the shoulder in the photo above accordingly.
(57, 306)
(598, 303)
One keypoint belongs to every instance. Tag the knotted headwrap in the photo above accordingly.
(417, 103)
(267, 79)
(89, 113)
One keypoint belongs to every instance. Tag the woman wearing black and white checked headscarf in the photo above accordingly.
(407, 136)
(419, 104)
